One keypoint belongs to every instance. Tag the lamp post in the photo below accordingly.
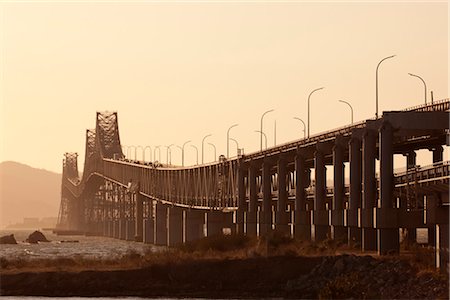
(351, 108)
(376, 84)
(182, 152)
(196, 150)
(159, 152)
(260, 144)
(124, 149)
(265, 136)
(215, 153)
(424, 84)
(237, 144)
(167, 153)
(228, 139)
(309, 98)
(203, 146)
(304, 126)
(150, 152)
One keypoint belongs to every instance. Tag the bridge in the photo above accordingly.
(283, 188)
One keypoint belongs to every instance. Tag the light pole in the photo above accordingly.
(265, 137)
(159, 152)
(124, 151)
(203, 142)
(182, 152)
(260, 144)
(196, 150)
(376, 84)
(424, 84)
(150, 152)
(237, 144)
(309, 98)
(167, 153)
(304, 126)
(228, 139)
(351, 108)
(214, 146)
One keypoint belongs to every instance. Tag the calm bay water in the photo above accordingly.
(86, 247)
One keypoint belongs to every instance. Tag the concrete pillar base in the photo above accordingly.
(369, 239)
(251, 223)
(116, 233)
(388, 241)
(149, 235)
(442, 251)
(195, 220)
(130, 230)
(161, 225)
(281, 225)
(122, 229)
(175, 226)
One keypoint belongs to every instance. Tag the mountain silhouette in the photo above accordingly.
(27, 192)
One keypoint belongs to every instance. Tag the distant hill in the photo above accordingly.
(27, 192)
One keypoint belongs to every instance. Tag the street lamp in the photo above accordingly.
(159, 152)
(182, 152)
(237, 144)
(215, 153)
(196, 150)
(265, 136)
(203, 141)
(228, 139)
(351, 108)
(260, 144)
(150, 152)
(167, 154)
(425, 85)
(376, 84)
(309, 104)
(304, 126)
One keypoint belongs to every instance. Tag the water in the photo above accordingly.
(87, 247)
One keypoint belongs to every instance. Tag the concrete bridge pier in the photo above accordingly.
(411, 235)
(369, 234)
(253, 203)
(116, 229)
(387, 215)
(161, 224)
(216, 221)
(437, 152)
(337, 215)
(242, 205)
(130, 229)
(122, 229)
(265, 220)
(149, 228)
(302, 217)
(139, 218)
(282, 216)
(175, 226)
(194, 222)
(320, 220)
(354, 231)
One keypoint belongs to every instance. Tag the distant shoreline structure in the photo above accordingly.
(33, 223)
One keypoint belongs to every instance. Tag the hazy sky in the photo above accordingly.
(179, 71)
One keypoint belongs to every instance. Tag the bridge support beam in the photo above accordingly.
(302, 217)
(175, 226)
(369, 234)
(139, 218)
(337, 216)
(354, 232)
(241, 201)
(265, 221)
(321, 227)
(253, 203)
(387, 218)
(161, 224)
(282, 216)
(195, 220)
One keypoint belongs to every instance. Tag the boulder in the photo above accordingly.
(8, 239)
(36, 237)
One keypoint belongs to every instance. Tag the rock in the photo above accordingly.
(8, 239)
(36, 237)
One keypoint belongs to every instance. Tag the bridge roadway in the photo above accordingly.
(269, 190)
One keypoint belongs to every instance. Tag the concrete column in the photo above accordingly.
(302, 217)
(116, 233)
(241, 201)
(437, 158)
(139, 217)
(320, 193)
(410, 164)
(161, 224)
(175, 226)
(149, 230)
(253, 202)
(122, 229)
(282, 217)
(355, 190)
(442, 247)
(130, 230)
(337, 216)
(369, 234)
(194, 224)
(387, 228)
(265, 222)
(217, 221)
